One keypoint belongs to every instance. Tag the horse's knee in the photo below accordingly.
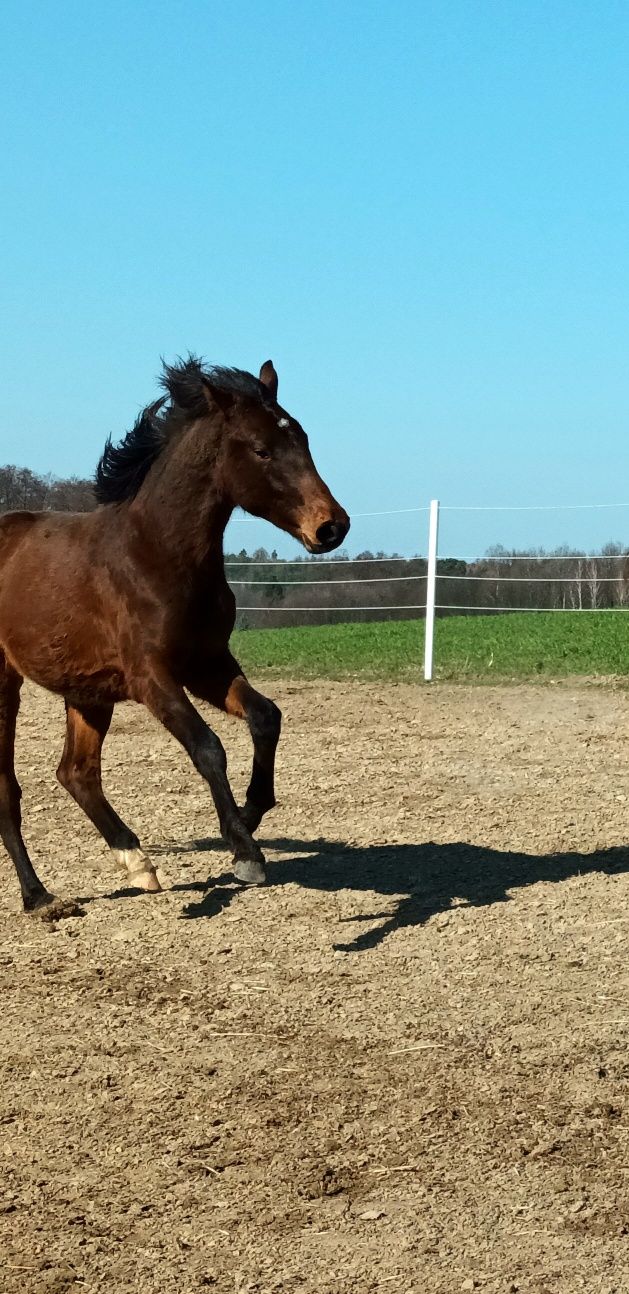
(265, 721)
(208, 754)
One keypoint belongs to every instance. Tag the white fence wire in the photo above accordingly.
(432, 575)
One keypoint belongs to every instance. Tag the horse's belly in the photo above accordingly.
(80, 681)
(56, 648)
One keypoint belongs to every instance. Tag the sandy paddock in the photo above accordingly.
(401, 1066)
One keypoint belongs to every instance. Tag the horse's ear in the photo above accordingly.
(268, 378)
(216, 396)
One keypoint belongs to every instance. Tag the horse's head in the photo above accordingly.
(265, 465)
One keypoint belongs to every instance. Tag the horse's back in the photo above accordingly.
(13, 527)
(28, 541)
(42, 533)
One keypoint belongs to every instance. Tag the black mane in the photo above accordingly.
(122, 468)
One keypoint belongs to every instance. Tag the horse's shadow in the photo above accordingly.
(419, 881)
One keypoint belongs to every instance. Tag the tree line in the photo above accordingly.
(381, 586)
(21, 488)
(375, 586)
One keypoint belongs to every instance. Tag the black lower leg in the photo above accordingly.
(225, 686)
(208, 757)
(171, 706)
(34, 894)
(264, 724)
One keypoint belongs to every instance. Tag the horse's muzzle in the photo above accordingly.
(331, 534)
(327, 536)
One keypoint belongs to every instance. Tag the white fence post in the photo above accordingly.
(431, 583)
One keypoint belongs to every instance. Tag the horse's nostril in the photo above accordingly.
(330, 534)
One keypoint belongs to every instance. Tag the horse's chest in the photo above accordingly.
(209, 619)
(202, 633)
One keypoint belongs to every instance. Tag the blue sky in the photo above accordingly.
(419, 210)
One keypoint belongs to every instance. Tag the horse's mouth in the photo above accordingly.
(315, 549)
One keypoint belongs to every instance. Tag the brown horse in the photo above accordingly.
(130, 602)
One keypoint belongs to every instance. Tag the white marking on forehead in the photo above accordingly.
(283, 422)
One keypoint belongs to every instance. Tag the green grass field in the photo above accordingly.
(541, 645)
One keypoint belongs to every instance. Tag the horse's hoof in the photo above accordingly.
(249, 872)
(139, 869)
(148, 882)
(49, 908)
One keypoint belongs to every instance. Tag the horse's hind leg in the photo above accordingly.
(34, 895)
(80, 773)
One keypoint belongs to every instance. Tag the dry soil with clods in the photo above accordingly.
(400, 1066)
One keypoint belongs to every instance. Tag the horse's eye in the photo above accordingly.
(260, 452)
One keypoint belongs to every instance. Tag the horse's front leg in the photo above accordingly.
(168, 702)
(224, 685)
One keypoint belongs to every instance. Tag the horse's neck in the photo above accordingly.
(186, 523)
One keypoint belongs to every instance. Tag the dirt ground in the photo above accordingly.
(400, 1066)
